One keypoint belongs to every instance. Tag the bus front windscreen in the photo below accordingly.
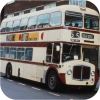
(73, 19)
(71, 52)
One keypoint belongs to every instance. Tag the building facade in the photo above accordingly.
(17, 7)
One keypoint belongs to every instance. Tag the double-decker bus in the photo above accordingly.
(52, 46)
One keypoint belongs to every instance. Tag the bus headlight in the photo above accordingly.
(92, 73)
(69, 72)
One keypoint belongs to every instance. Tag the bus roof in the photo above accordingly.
(62, 8)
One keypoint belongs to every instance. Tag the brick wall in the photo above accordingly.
(22, 5)
(1, 15)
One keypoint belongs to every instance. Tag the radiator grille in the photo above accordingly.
(81, 72)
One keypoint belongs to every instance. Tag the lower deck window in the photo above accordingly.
(6, 52)
(1, 51)
(20, 53)
(48, 59)
(28, 54)
(13, 53)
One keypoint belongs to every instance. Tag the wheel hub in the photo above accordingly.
(52, 81)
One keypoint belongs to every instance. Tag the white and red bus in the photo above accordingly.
(52, 46)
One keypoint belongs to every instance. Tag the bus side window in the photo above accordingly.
(12, 53)
(56, 54)
(43, 21)
(49, 53)
(32, 22)
(1, 52)
(3, 27)
(16, 25)
(23, 24)
(20, 53)
(9, 27)
(6, 52)
(55, 19)
(28, 54)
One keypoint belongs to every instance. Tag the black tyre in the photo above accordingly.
(9, 71)
(53, 81)
(89, 88)
(92, 88)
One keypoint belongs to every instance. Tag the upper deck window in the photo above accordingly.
(32, 22)
(43, 21)
(9, 26)
(16, 25)
(55, 19)
(91, 22)
(3, 27)
(23, 24)
(81, 3)
(73, 19)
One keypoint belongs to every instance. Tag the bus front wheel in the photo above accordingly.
(9, 71)
(53, 81)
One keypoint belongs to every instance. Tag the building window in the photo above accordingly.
(50, 6)
(10, 15)
(81, 3)
(33, 10)
(21, 13)
(11, 2)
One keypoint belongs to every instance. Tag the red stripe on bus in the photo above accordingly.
(84, 30)
(38, 44)
(54, 28)
(28, 62)
(20, 61)
(25, 44)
